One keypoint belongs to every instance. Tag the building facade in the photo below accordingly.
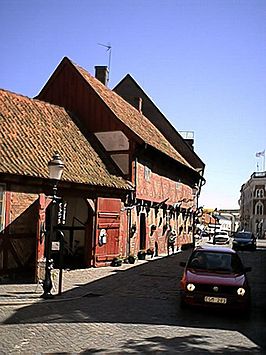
(125, 184)
(31, 131)
(164, 178)
(253, 204)
(214, 220)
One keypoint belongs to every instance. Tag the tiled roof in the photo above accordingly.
(129, 89)
(32, 130)
(132, 118)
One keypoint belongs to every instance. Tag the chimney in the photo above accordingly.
(101, 73)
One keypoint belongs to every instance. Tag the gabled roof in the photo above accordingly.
(131, 117)
(129, 89)
(32, 130)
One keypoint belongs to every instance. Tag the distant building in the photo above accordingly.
(213, 220)
(229, 219)
(253, 204)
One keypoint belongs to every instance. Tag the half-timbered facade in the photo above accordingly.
(124, 181)
(164, 180)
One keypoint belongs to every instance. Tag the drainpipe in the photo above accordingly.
(129, 210)
(129, 231)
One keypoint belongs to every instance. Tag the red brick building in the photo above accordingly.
(124, 177)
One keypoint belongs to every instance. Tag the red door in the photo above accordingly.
(107, 230)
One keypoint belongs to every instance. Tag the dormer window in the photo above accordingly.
(116, 144)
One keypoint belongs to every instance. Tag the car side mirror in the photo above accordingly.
(182, 263)
(248, 269)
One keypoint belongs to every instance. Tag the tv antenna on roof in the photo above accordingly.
(109, 49)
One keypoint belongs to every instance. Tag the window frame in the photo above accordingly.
(259, 209)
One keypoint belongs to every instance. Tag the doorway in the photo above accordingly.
(142, 231)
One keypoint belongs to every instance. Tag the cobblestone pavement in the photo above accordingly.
(132, 309)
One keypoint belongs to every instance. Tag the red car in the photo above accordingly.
(214, 276)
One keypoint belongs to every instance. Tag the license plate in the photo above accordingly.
(211, 299)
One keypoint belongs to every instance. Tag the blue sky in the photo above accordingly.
(202, 62)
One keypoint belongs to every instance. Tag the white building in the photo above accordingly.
(253, 204)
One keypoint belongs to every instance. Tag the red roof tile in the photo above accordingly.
(32, 130)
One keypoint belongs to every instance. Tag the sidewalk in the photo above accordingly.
(76, 284)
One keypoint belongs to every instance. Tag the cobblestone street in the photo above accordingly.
(129, 309)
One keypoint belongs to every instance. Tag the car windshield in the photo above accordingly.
(243, 235)
(216, 261)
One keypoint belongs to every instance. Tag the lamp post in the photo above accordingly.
(55, 167)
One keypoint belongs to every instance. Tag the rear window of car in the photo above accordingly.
(243, 235)
(215, 261)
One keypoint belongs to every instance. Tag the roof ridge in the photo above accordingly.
(89, 77)
(109, 89)
(14, 93)
(33, 99)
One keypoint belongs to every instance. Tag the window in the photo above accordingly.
(216, 261)
(259, 209)
(259, 193)
(2, 207)
(147, 173)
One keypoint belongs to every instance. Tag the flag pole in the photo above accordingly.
(261, 154)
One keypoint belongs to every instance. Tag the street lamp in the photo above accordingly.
(55, 167)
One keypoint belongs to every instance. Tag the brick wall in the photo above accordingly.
(23, 215)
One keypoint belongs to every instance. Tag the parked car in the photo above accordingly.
(204, 234)
(221, 238)
(214, 276)
(244, 240)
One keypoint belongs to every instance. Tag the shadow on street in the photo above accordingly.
(149, 294)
